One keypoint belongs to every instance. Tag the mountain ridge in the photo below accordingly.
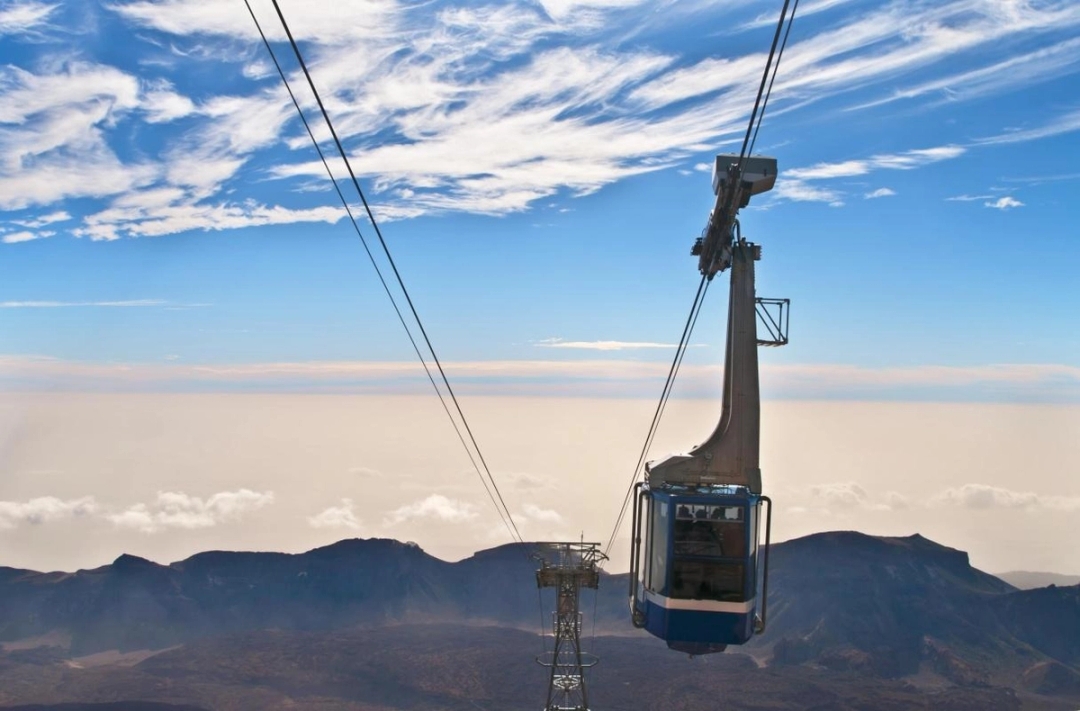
(875, 607)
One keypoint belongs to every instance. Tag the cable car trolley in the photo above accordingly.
(699, 565)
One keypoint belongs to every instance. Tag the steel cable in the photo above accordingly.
(496, 499)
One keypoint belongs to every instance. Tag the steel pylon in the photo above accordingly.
(568, 567)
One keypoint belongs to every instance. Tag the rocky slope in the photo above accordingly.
(895, 612)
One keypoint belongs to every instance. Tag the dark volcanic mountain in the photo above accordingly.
(114, 706)
(900, 615)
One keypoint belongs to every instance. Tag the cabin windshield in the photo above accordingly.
(714, 531)
(701, 535)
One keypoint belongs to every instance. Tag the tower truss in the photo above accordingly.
(568, 567)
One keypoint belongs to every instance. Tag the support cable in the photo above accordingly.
(505, 517)
(680, 350)
(762, 88)
(776, 69)
(393, 266)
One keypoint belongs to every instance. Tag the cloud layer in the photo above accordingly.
(850, 497)
(604, 377)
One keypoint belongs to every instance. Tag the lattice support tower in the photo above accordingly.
(568, 567)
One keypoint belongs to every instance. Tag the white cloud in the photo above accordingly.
(433, 104)
(1004, 203)
(824, 171)
(533, 512)
(1025, 70)
(437, 507)
(985, 497)
(43, 510)
(162, 104)
(331, 23)
(1066, 123)
(24, 236)
(879, 44)
(171, 219)
(968, 198)
(880, 193)
(601, 345)
(53, 145)
(905, 160)
(68, 304)
(47, 219)
(341, 516)
(22, 17)
(801, 191)
(180, 510)
(1037, 179)
(768, 19)
(846, 495)
(564, 9)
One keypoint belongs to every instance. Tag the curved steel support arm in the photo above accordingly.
(730, 454)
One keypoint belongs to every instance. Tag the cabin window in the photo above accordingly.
(713, 531)
(656, 572)
(702, 534)
(707, 580)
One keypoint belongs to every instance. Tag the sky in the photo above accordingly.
(171, 246)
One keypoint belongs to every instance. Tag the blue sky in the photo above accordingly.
(541, 169)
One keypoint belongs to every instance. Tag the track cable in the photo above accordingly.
(496, 497)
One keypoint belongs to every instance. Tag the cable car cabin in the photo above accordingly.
(694, 581)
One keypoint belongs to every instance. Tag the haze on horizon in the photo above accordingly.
(164, 476)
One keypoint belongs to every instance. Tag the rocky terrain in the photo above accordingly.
(855, 622)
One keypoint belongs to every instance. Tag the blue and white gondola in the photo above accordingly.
(698, 568)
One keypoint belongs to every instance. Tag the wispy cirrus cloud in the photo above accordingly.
(905, 160)
(768, 19)
(969, 198)
(1064, 123)
(1026, 69)
(433, 103)
(802, 191)
(801, 184)
(24, 17)
(130, 303)
(603, 345)
(1037, 179)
